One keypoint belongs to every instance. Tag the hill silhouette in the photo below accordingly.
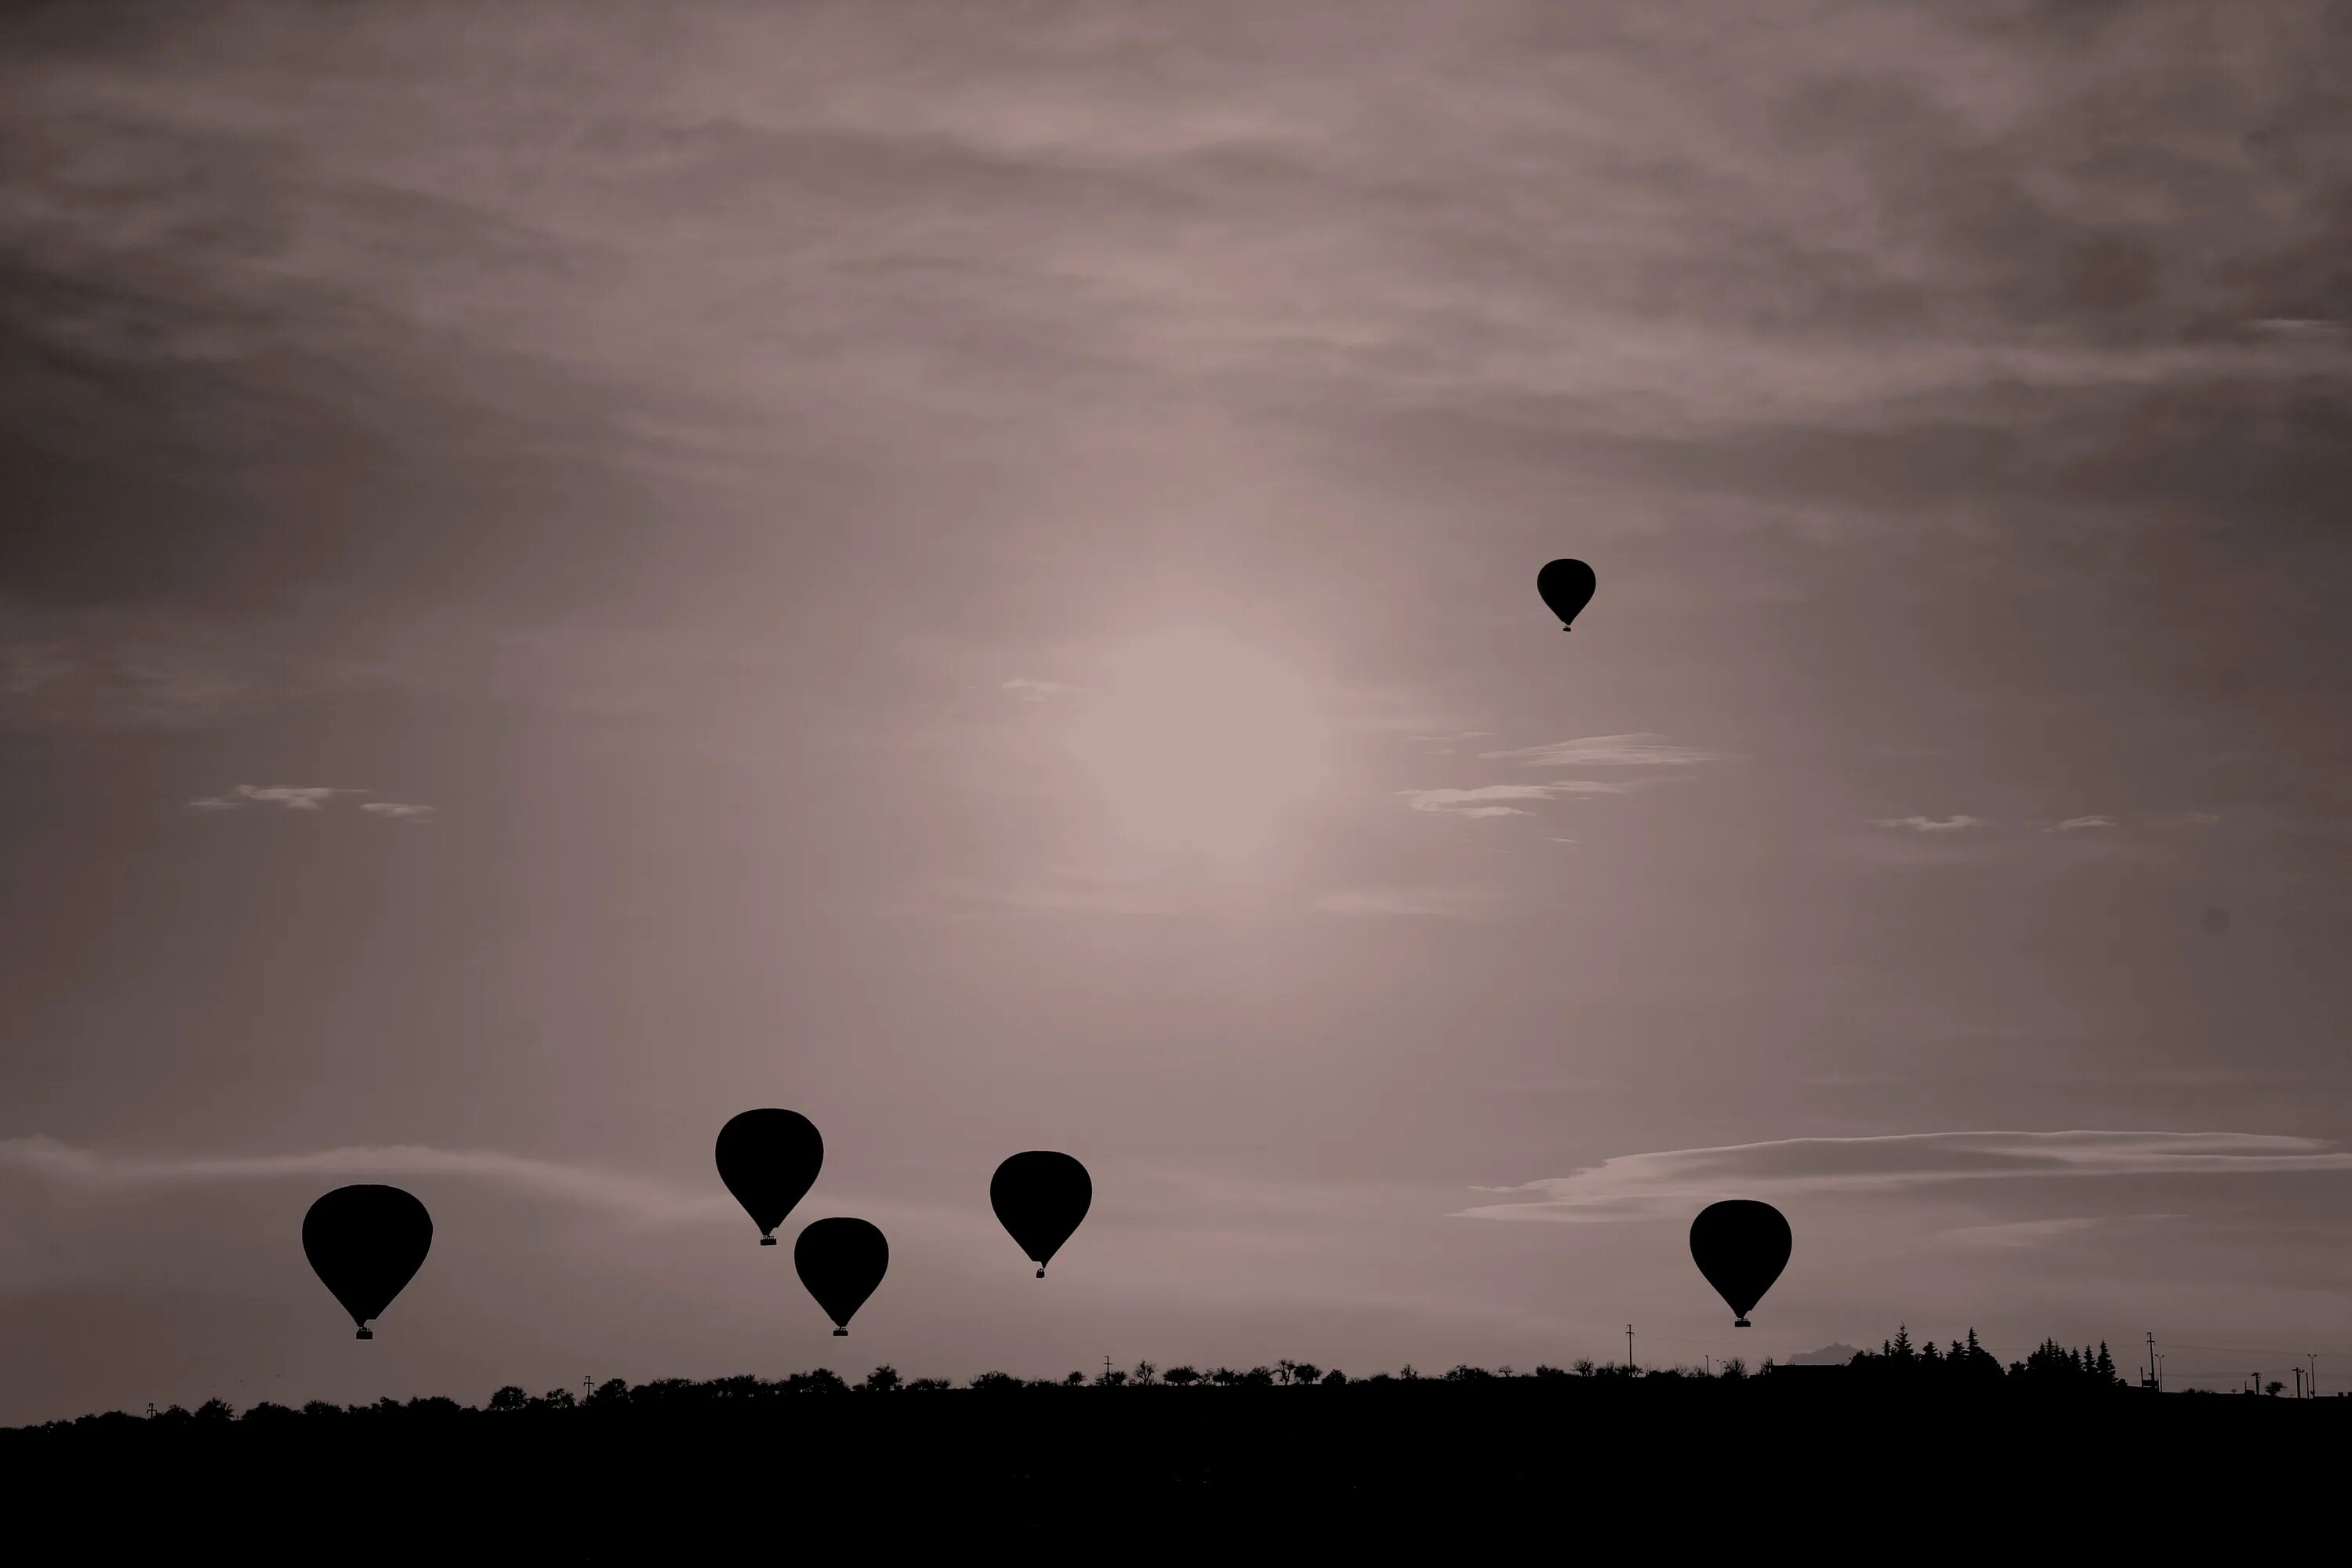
(1191, 1447)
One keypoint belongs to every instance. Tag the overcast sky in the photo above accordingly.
(968, 569)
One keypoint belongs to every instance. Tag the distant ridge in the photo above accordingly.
(1828, 1355)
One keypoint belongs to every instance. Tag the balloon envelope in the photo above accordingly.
(1740, 1246)
(1040, 1196)
(365, 1242)
(1567, 586)
(768, 1160)
(840, 1261)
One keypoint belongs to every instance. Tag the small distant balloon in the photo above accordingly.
(1040, 1196)
(1740, 1246)
(1567, 586)
(365, 1243)
(768, 1160)
(840, 1261)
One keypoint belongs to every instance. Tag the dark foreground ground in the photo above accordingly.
(1465, 1473)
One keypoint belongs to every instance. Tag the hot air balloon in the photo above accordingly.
(1040, 1197)
(768, 1160)
(840, 1261)
(365, 1242)
(1740, 1246)
(1567, 586)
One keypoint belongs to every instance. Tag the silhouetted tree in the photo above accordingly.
(881, 1380)
(215, 1410)
(1182, 1376)
(930, 1385)
(1075, 1380)
(609, 1392)
(1334, 1378)
(1306, 1371)
(1224, 1377)
(1146, 1373)
(995, 1381)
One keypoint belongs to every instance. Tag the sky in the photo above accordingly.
(968, 570)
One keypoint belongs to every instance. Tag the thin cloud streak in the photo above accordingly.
(1928, 824)
(1641, 750)
(640, 1200)
(1490, 800)
(1633, 1186)
(2077, 823)
(404, 811)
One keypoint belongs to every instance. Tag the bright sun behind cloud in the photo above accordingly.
(1201, 743)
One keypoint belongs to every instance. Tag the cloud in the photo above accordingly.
(1629, 1186)
(2076, 824)
(401, 810)
(293, 798)
(1442, 903)
(1448, 740)
(1041, 690)
(1643, 750)
(638, 1199)
(1492, 800)
(2018, 1233)
(1928, 824)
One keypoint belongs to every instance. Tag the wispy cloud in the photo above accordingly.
(293, 798)
(1929, 824)
(1029, 690)
(1643, 750)
(2015, 1234)
(308, 797)
(1631, 1186)
(1495, 800)
(2076, 824)
(638, 1199)
(405, 810)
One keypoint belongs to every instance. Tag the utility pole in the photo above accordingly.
(2298, 1381)
(1629, 1347)
(1710, 1364)
(2313, 1359)
(1105, 1369)
(2153, 1382)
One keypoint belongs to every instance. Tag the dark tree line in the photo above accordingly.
(1898, 1363)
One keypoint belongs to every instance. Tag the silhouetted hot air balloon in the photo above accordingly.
(840, 1261)
(1567, 586)
(364, 1244)
(768, 1160)
(1740, 1246)
(1040, 1197)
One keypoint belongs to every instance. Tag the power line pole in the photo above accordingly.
(1105, 1369)
(2314, 1360)
(2152, 1380)
(1629, 1347)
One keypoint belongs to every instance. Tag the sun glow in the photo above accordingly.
(1199, 743)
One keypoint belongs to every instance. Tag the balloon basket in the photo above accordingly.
(364, 1334)
(840, 1333)
(767, 1241)
(1041, 1271)
(1739, 1324)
